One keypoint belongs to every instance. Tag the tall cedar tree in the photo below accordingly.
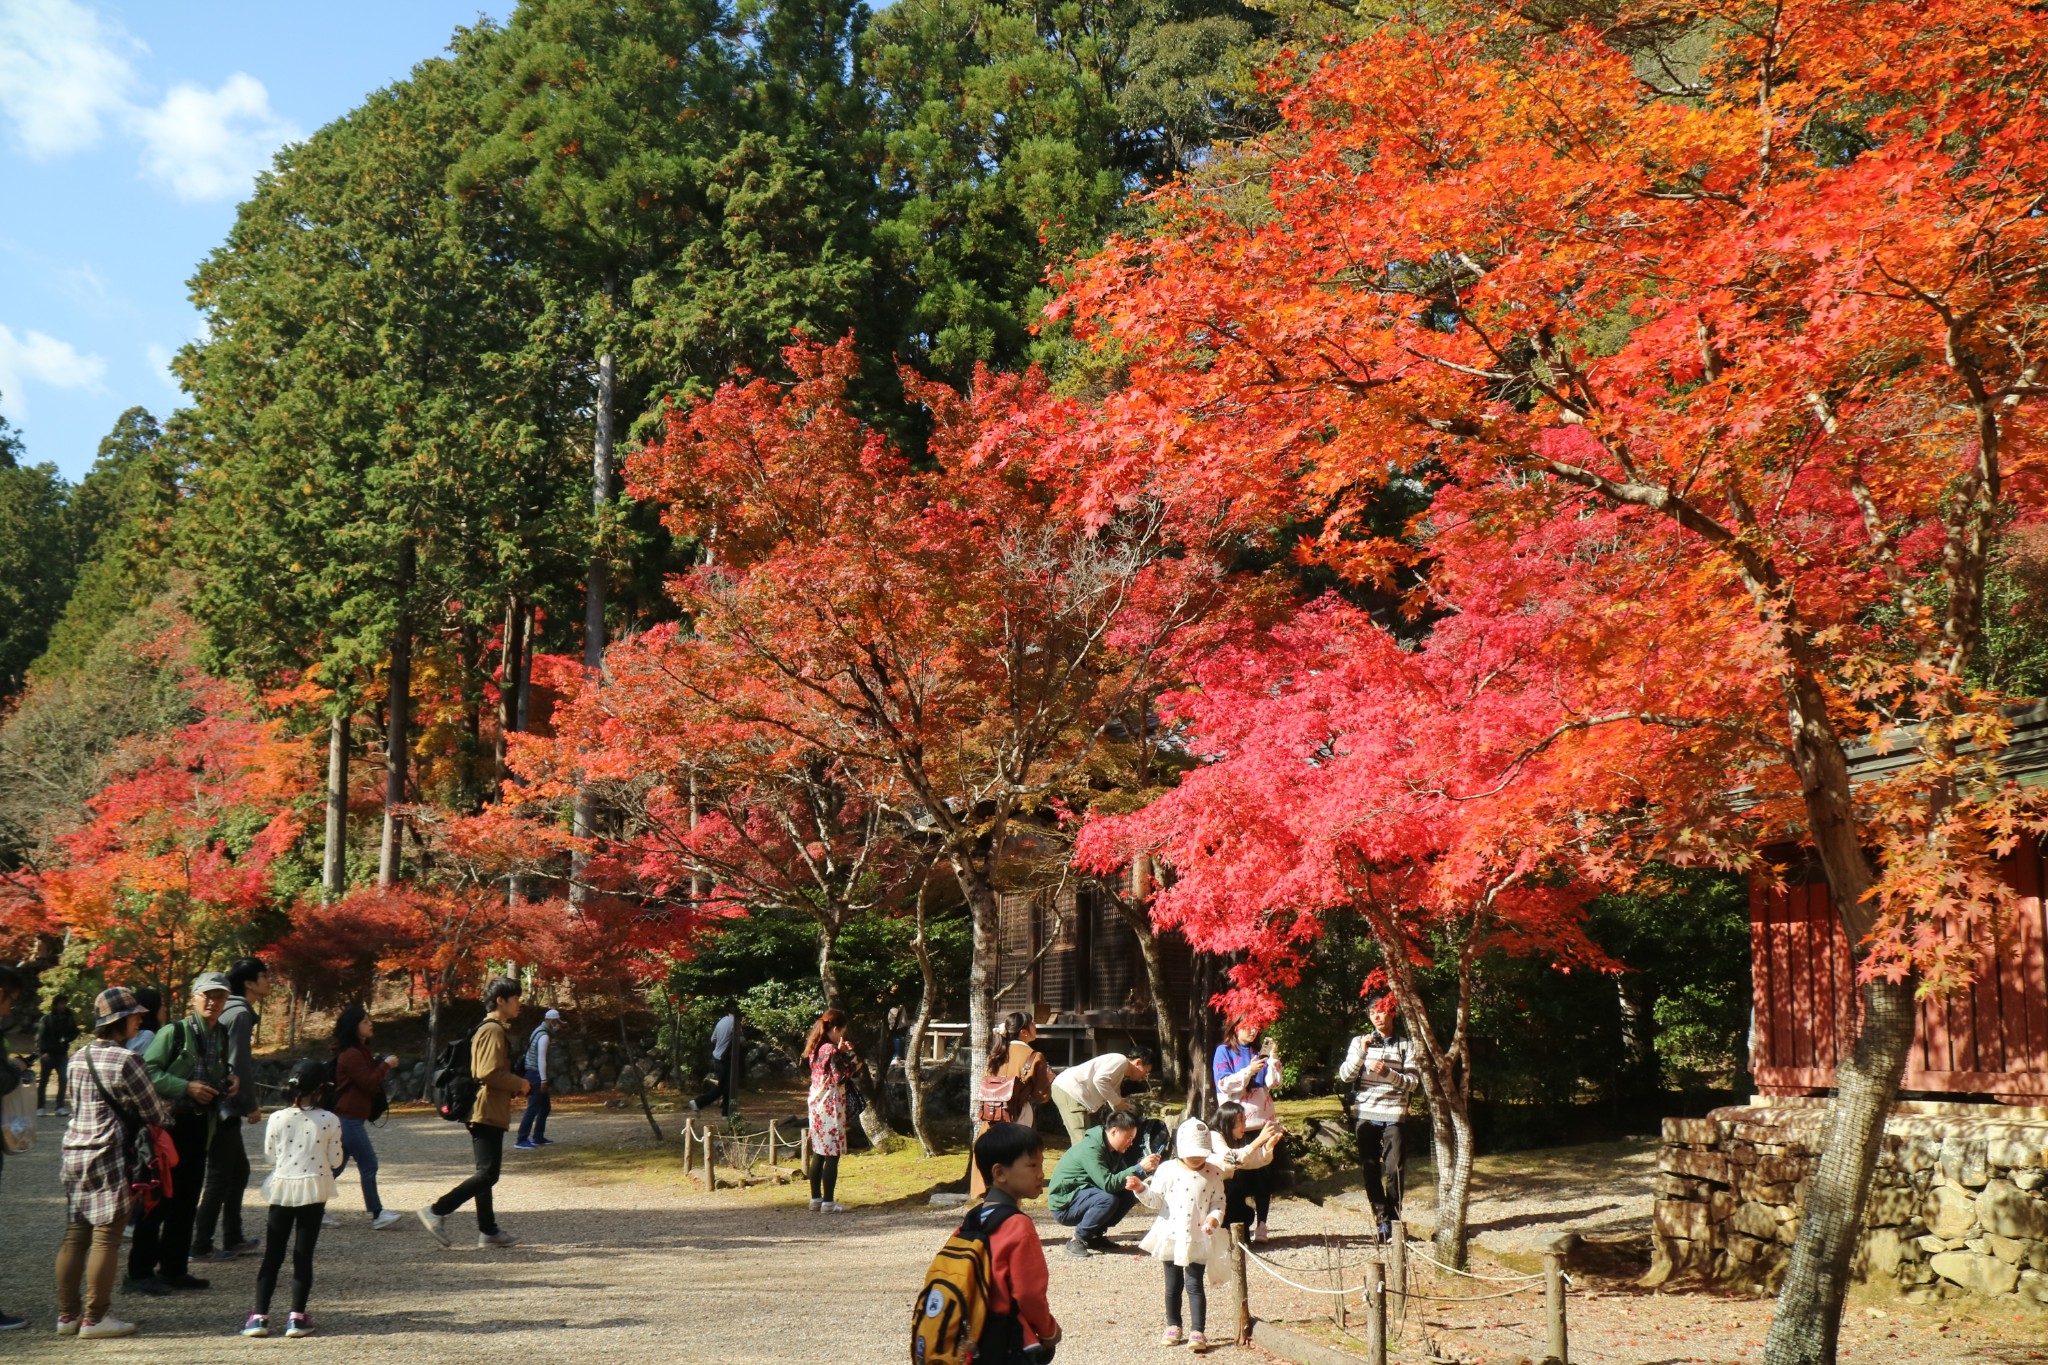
(1776, 316)
(38, 557)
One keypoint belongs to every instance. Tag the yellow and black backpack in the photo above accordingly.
(954, 1321)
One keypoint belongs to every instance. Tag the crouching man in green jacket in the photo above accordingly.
(1090, 1187)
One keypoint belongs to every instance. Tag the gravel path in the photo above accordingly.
(620, 1264)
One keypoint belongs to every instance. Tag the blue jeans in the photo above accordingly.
(355, 1146)
(533, 1123)
(1092, 1212)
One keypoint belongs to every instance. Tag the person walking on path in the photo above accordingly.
(303, 1142)
(1090, 1190)
(726, 1037)
(1188, 1194)
(490, 1065)
(1085, 1092)
(54, 1036)
(1381, 1066)
(538, 1067)
(227, 1160)
(1247, 1076)
(13, 1076)
(116, 1101)
(832, 1064)
(187, 1064)
(358, 1100)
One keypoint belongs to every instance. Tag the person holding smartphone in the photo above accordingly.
(1382, 1068)
(1247, 1075)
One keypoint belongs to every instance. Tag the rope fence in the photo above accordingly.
(706, 1149)
(1385, 1278)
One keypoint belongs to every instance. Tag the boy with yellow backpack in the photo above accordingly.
(984, 1299)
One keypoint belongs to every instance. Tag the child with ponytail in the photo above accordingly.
(303, 1141)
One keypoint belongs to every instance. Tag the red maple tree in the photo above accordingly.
(1774, 312)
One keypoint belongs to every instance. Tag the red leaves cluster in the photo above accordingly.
(1747, 371)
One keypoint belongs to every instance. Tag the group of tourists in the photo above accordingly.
(154, 1154)
(1198, 1180)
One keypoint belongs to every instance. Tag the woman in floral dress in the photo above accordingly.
(832, 1063)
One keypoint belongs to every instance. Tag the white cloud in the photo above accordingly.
(209, 144)
(46, 360)
(63, 73)
(159, 357)
(66, 73)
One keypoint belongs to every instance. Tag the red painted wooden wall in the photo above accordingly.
(1990, 1040)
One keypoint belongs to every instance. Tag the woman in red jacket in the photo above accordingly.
(358, 1090)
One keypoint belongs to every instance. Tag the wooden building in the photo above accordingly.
(1989, 1042)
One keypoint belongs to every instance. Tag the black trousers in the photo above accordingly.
(299, 1227)
(1379, 1161)
(163, 1240)
(824, 1175)
(227, 1180)
(53, 1065)
(1248, 1195)
(721, 1086)
(487, 1146)
(1189, 1277)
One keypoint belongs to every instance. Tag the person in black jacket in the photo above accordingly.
(54, 1037)
(12, 1075)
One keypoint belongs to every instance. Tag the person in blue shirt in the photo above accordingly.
(725, 1056)
(1248, 1075)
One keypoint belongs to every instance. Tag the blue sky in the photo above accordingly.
(128, 133)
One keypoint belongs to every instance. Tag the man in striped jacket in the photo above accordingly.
(1381, 1068)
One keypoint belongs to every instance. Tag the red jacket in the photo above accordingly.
(1017, 1270)
(357, 1079)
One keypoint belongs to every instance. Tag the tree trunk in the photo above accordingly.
(1201, 1076)
(334, 858)
(1809, 1318)
(913, 1055)
(395, 736)
(985, 918)
(584, 819)
(511, 647)
(471, 650)
(1450, 1124)
(1137, 913)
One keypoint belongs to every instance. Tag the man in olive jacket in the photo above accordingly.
(188, 1064)
(490, 1065)
(1089, 1192)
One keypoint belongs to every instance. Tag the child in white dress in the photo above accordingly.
(303, 1142)
(1188, 1194)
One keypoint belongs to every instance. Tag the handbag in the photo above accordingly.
(149, 1151)
(17, 1112)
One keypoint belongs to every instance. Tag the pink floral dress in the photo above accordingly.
(830, 1067)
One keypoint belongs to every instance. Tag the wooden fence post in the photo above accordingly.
(1397, 1273)
(1375, 1313)
(1553, 1303)
(1241, 1271)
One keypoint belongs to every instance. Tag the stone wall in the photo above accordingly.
(1960, 1203)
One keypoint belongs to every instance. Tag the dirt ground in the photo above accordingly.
(623, 1259)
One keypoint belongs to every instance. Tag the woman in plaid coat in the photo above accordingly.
(97, 1143)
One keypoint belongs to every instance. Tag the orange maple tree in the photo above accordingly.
(1774, 313)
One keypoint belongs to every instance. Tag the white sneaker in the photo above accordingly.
(837, 1208)
(67, 1327)
(41, 1112)
(817, 1204)
(500, 1238)
(328, 1220)
(1259, 1234)
(105, 1327)
(385, 1220)
(436, 1223)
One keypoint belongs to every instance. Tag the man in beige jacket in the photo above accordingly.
(490, 1064)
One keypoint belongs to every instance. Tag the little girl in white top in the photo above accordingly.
(1188, 1194)
(303, 1142)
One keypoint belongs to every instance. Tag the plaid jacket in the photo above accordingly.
(96, 1141)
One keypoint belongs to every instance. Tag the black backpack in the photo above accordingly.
(453, 1088)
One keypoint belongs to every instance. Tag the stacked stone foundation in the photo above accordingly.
(1959, 1205)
